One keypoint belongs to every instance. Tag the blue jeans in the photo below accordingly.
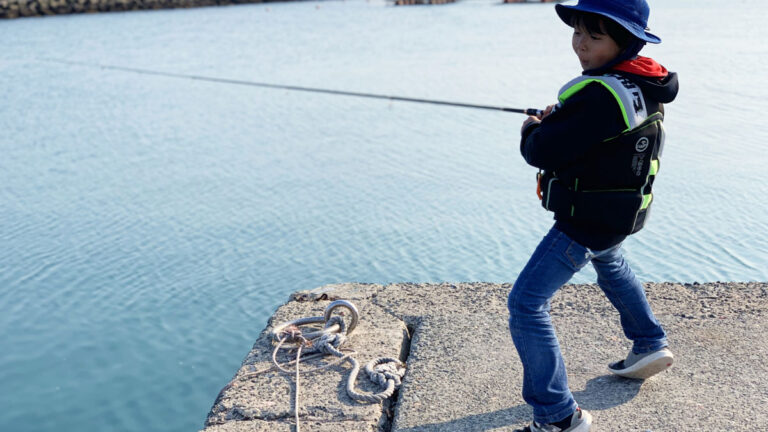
(555, 261)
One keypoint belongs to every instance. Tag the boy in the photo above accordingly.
(598, 151)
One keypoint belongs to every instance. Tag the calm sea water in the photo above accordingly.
(149, 226)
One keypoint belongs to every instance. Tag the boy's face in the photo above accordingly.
(594, 50)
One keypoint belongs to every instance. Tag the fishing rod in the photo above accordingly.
(528, 111)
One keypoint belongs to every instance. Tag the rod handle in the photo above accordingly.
(534, 112)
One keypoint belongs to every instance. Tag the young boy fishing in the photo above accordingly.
(598, 154)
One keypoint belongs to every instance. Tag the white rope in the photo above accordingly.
(296, 402)
(387, 372)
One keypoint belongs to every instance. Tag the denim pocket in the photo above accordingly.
(578, 255)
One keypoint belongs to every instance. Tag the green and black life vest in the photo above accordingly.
(610, 187)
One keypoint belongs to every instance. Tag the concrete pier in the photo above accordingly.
(464, 374)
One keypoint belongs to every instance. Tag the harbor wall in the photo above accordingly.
(31, 8)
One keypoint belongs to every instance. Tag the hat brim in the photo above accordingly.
(566, 13)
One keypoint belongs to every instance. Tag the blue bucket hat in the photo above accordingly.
(630, 14)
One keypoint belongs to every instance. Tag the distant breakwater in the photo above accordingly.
(29, 8)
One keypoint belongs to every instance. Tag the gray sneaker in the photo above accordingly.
(580, 421)
(643, 366)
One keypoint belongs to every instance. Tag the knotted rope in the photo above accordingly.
(387, 372)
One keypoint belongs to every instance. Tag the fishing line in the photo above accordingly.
(528, 111)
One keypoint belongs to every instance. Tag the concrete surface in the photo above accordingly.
(464, 373)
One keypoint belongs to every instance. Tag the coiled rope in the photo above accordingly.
(386, 372)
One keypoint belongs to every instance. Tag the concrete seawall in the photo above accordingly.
(463, 373)
(29, 8)
(32, 8)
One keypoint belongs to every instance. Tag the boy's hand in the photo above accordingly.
(547, 111)
(529, 120)
(537, 119)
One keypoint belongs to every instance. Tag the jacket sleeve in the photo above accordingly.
(589, 117)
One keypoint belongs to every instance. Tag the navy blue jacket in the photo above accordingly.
(585, 119)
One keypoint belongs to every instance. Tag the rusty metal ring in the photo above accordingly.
(345, 304)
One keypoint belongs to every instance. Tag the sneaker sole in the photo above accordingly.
(585, 425)
(648, 366)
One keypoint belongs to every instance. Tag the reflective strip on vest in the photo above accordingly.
(646, 201)
(627, 94)
(654, 167)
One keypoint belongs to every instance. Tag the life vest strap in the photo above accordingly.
(627, 94)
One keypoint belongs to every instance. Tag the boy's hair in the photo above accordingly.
(596, 24)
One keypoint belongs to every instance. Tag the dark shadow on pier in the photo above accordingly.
(479, 422)
(601, 393)
(607, 391)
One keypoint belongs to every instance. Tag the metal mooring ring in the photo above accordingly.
(345, 304)
(277, 330)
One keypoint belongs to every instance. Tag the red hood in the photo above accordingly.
(643, 66)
